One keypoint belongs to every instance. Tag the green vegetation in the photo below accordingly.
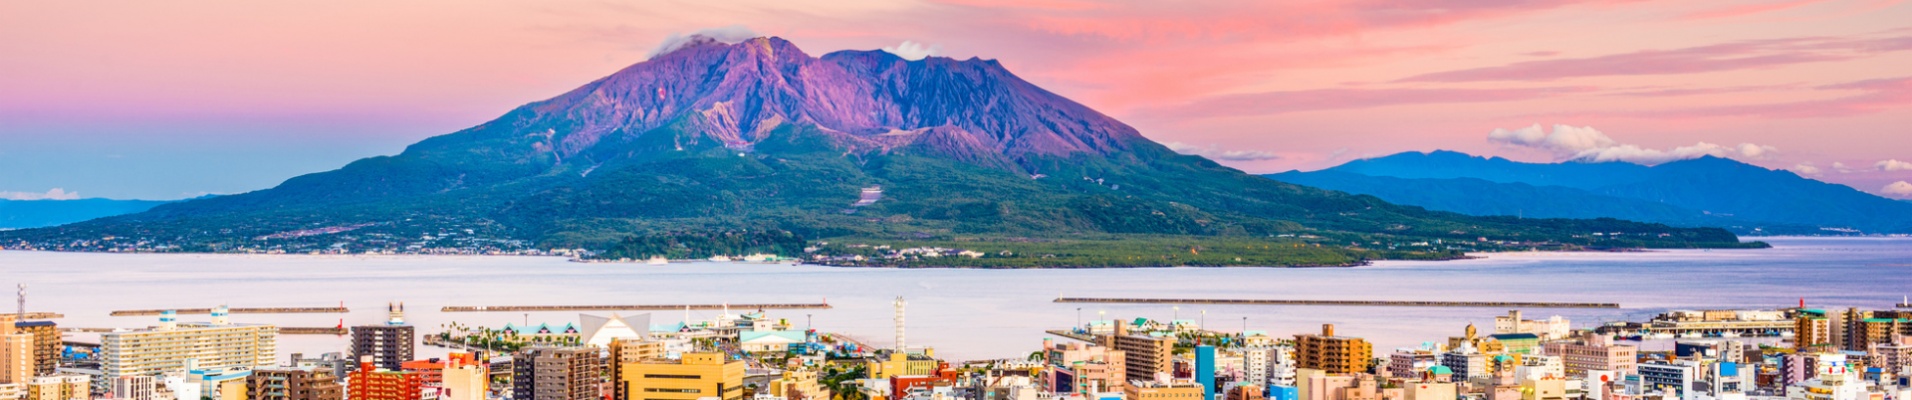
(677, 193)
(698, 245)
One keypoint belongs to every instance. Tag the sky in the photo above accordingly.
(153, 100)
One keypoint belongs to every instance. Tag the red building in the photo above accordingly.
(369, 383)
(432, 371)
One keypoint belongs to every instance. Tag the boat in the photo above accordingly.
(1690, 335)
(1662, 335)
(1729, 334)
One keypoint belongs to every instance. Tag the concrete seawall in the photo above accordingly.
(1365, 303)
(239, 310)
(635, 307)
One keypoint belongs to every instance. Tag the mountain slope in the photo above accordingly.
(1707, 191)
(758, 136)
(16, 214)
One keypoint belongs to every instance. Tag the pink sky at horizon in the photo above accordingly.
(137, 99)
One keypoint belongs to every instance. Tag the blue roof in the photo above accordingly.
(1516, 336)
(34, 323)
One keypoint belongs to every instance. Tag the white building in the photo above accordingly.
(1835, 382)
(1552, 328)
(599, 331)
(173, 347)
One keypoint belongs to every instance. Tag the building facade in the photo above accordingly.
(389, 345)
(1333, 354)
(46, 344)
(1593, 353)
(696, 376)
(309, 383)
(1144, 356)
(371, 383)
(555, 374)
(173, 347)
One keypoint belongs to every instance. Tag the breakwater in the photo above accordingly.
(283, 330)
(636, 307)
(238, 310)
(1366, 303)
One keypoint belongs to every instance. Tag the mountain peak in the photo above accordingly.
(738, 94)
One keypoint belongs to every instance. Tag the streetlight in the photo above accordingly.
(1078, 317)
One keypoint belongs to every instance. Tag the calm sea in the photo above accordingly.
(966, 314)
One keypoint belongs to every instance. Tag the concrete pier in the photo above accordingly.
(239, 310)
(635, 307)
(284, 330)
(1366, 303)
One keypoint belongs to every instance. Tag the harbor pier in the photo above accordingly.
(1364, 303)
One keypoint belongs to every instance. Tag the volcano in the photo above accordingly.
(758, 135)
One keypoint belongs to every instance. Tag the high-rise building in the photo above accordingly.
(696, 376)
(1333, 354)
(467, 377)
(46, 344)
(1205, 370)
(172, 347)
(555, 374)
(1813, 331)
(626, 351)
(135, 388)
(16, 355)
(1144, 356)
(370, 382)
(389, 345)
(294, 383)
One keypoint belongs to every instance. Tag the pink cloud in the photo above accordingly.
(1877, 95)
(1752, 54)
(1749, 9)
(1283, 102)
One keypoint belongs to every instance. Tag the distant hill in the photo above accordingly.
(20, 214)
(733, 145)
(1706, 191)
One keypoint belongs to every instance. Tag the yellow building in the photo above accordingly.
(899, 364)
(798, 383)
(465, 381)
(234, 389)
(59, 387)
(696, 376)
(626, 351)
(1552, 388)
(16, 355)
(1333, 354)
(1162, 391)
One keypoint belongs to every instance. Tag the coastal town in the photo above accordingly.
(747, 352)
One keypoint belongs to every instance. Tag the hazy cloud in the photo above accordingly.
(1900, 189)
(1806, 168)
(913, 51)
(52, 194)
(1213, 152)
(727, 34)
(1749, 54)
(1583, 143)
(1893, 165)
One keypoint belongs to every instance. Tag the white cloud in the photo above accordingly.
(52, 194)
(1893, 165)
(1900, 189)
(727, 34)
(913, 51)
(1841, 167)
(1807, 169)
(1214, 153)
(1583, 143)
